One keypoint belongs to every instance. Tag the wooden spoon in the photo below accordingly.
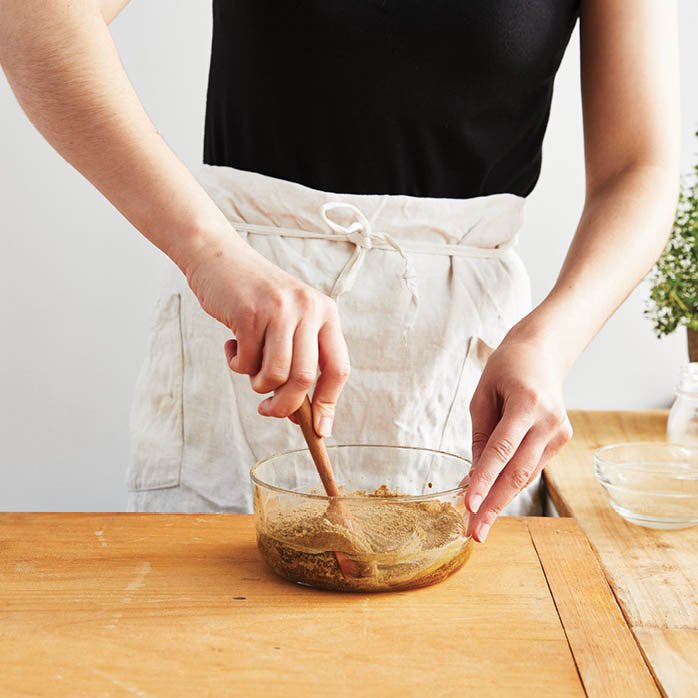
(337, 511)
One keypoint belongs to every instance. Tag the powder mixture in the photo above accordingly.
(395, 545)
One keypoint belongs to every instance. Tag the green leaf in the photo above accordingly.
(673, 297)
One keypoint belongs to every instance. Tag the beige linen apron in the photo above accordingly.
(425, 288)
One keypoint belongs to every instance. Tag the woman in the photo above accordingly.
(366, 169)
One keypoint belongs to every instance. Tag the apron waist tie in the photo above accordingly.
(360, 232)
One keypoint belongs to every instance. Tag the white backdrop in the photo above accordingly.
(78, 282)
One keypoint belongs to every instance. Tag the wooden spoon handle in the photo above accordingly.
(337, 511)
(304, 415)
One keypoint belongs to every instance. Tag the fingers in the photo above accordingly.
(519, 472)
(547, 436)
(247, 358)
(499, 449)
(276, 358)
(484, 414)
(282, 353)
(304, 362)
(231, 350)
(334, 372)
(563, 435)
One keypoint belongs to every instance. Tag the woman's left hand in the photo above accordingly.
(518, 423)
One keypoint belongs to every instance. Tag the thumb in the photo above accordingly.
(323, 413)
(484, 417)
(334, 371)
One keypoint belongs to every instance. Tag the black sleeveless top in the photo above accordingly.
(443, 98)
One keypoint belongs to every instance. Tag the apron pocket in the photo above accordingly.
(457, 433)
(156, 421)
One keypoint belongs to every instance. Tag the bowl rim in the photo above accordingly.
(607, 485)
(461, 489)
(644, 465)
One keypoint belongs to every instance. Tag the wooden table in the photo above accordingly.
(181, 605)
(654, 574)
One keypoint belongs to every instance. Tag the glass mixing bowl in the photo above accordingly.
(651, 484)
(402, 524)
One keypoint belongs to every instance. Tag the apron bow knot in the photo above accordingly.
(361, 237)
(360, 232)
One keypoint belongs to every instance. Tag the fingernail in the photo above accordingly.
(482, 532)
(469, 527)
(325, 426)
(475, 502)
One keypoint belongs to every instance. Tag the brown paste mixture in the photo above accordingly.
(395, 545)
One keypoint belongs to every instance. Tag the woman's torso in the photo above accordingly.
(443, 98)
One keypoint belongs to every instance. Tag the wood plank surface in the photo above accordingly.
(673, 652)
(653, 573)
(170, 605)
(608, 660)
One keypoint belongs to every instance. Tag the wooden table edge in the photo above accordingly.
(551, 491)
(569, 574)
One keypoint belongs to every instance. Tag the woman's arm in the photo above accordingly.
(629, 72)
(64, 69)
(111, 8)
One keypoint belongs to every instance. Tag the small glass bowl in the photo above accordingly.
(417, 537)
(652, 484)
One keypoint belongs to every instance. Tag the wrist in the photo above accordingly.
(553, 326)
(205, 241)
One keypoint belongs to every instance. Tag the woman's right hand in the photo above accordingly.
(284, 329)
(64, 68)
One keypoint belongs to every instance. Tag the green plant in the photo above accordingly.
(673, 297)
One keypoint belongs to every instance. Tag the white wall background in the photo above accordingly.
(77, 282)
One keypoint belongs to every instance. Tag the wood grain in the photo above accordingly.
(653, 574)
(673, 654)
(170, 605)
(604, 649)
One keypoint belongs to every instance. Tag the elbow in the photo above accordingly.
(636, 173)
(666, 185)
(651, 184)
(662, 187)
(649, 189)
